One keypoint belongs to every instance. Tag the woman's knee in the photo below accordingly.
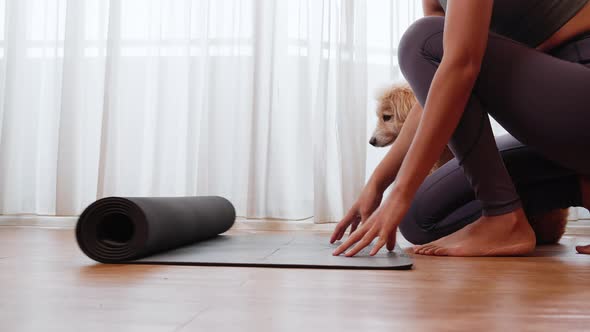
(412, 43)
(412, 229)
(421, 217)
(438, 205)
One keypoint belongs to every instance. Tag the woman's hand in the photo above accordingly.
(381, 178)
(367, 202)
(382, 223)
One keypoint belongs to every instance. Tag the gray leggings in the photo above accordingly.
(542, 100)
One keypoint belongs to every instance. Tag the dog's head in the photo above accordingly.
(393, 106)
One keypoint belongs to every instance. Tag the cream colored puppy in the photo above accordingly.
(393, 106)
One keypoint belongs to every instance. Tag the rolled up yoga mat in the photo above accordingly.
(186, 231)
(116, 229)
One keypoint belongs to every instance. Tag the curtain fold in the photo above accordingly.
(265, 102)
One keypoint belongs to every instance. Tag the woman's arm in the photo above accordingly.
(464, 41)
(458, 70)
(382, 177)
(432, 8)
(386, 172)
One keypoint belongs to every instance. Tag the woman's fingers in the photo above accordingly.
(378, 246)
(365, 241)
(339, 235)
(365, 234)
(353, 227)
(355, 224)
(336, 233)
(351, 240)
(391, 240)
(340, 229)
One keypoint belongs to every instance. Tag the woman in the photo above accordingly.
(529, 73)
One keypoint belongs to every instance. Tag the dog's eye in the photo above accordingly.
(386, 118)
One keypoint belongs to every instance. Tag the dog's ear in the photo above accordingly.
(383, 98)
(386, 92)
(382, 92)
(401, 99)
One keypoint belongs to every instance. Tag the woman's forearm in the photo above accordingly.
(387, 169)
(448, 96)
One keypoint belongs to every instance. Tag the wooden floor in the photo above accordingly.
(46, 284)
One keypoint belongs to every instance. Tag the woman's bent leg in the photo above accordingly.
(445, 202)
(538, 98)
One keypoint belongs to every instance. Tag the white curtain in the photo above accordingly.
(266, 102)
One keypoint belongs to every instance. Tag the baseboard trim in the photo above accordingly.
(39, 221)
(578, 227)
(241, 223)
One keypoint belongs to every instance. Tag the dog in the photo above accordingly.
(393, 106)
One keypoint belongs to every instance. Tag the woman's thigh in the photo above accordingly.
(541, 99)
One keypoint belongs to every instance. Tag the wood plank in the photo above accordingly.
(47, 284)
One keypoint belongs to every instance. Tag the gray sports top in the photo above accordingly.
(530, 21)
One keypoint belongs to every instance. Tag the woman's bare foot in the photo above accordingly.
(505, 235)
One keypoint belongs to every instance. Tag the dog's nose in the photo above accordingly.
(373, 141)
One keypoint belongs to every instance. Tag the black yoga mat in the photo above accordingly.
(186, 231)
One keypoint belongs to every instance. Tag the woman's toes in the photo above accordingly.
(431, 250)
(416, 249)
(441, 252)
(420, 248)
(424, 249)
(584, 249)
